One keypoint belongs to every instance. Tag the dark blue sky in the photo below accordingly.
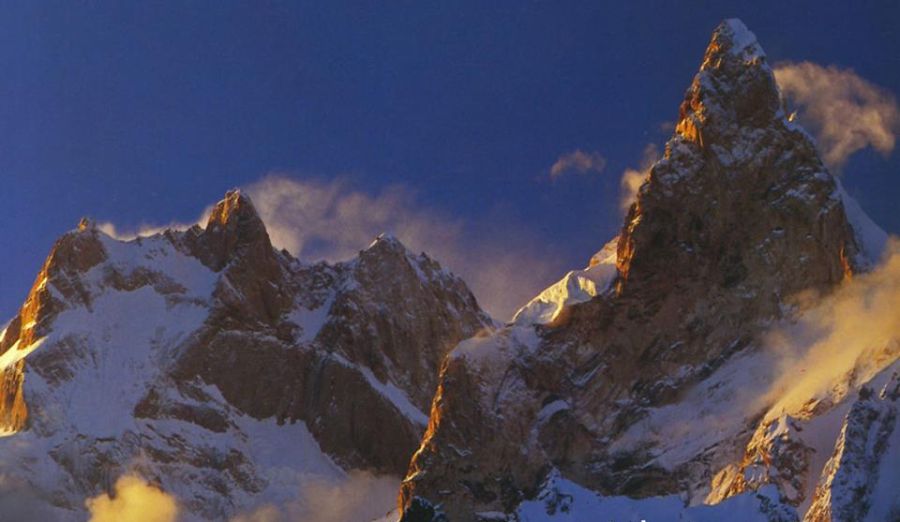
(146, 112)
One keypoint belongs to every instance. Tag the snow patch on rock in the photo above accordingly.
(743, 40)
(577, 286)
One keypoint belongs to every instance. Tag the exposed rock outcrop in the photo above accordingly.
(845, 489)
(57, 284)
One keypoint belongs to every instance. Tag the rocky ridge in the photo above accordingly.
(738, 219)
(219, 368)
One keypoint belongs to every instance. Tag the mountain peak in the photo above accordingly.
(732, 36)
(739, 215)
(232, 225)
(233, 208)
(383, 252)
(734, 89)
(387, 242)
(86, 224)
(735, 177)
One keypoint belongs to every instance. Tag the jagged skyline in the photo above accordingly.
(144, 116)
(732, 352)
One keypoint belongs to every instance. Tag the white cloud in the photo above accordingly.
(854, 331)
(134, 501)
(362, 497)
(330, 220)
(845, 112)
(632, 179)
(578, 161)
(319, 220)
(112, 230)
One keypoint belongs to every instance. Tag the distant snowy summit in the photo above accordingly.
(222, 370)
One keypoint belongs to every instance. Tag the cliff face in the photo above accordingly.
(58, 281)
(219, 368)
(737, 218)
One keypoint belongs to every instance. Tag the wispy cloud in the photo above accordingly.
(331, 220)
(578, 162)
(851, 334)
(632, 179)
(134, 501)
(110, 229)
(844, 111)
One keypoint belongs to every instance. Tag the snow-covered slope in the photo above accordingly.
(563, 500)
(577, 286)
(872, 239)
(223, 371)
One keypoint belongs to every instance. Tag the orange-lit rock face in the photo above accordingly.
(735, 174)
(739, 215)
(72, 255)
(734, 88)
(687, 128)
(846, 265)
(625, 249)
(774, 454)
(13, 410)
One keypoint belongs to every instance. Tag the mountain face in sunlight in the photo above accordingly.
(657, 395)
(220, 370)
